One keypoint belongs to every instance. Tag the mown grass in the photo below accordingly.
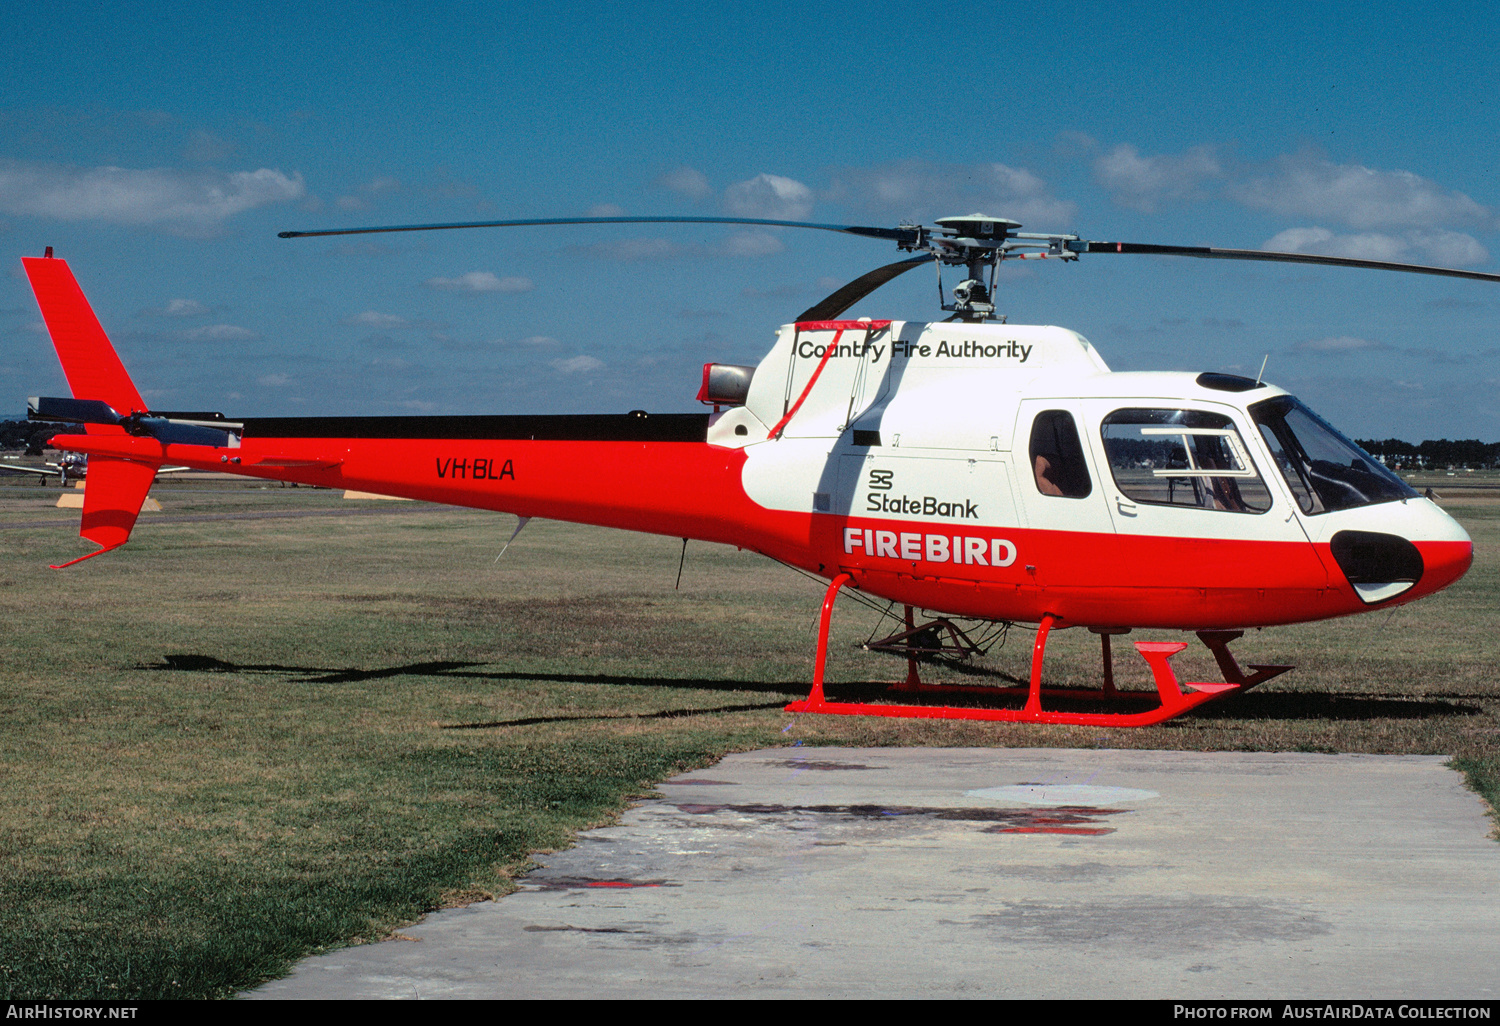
(236, 742)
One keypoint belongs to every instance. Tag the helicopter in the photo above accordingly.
(966, 466)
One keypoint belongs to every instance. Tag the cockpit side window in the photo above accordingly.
(1057, 456)
(1182, 458)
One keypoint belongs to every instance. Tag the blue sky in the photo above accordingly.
(160, 147)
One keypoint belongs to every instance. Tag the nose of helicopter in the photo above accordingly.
(1400, 551)
(1444, 562)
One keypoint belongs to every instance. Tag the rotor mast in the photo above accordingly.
(978, 243)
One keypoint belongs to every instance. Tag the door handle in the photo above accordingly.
(1126, 508)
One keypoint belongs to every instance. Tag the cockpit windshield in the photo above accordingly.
(1324, 470)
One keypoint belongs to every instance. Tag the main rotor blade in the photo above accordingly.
(1284, 258)
(906, 235)
(858, 289)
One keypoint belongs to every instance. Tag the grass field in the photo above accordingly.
(241, 738)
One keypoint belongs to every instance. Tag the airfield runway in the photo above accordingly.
(1033, 873)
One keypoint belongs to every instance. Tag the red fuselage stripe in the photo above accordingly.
(694, 490)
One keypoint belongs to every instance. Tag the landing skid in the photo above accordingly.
(1175, 697)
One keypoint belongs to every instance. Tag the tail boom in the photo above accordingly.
(678, 489)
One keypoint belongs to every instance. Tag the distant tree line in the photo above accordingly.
(25, 434)
(1436, 453)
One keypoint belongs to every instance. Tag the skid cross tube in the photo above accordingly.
(1175, 697)
(918, 640)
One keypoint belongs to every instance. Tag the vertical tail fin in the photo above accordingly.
(93, 369)
(115, 488)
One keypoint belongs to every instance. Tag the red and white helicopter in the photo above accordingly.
(967, 466)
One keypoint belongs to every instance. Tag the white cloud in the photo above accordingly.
(220, 333)
(1450, 249)
(578, 365)
(178, 308)
(1147, 183)
(374, 187)
(750, 244)
(1365, 246)
(1307, 185)
(919, 190)
(541, 341)
(606, 210)
(274, 380)
(375, 319)
(177, 200)
(754, 243)
(1070, 145)
(481, 281)
(685, 181)
(769, 196)
(1435, 246)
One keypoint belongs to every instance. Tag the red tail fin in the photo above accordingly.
(115, 487)
(93, 369)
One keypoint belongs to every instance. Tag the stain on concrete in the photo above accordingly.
(1077, 820)
(1153, 922)
(573, 883)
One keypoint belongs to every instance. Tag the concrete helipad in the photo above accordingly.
(822, 872)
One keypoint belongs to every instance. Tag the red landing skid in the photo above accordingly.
(1174, 700)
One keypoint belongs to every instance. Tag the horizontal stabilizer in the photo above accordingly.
(111, 502)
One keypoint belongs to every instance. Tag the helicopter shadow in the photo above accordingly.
(192, 663)
(1252, 706)
(1333, 705)
(458, 670)
(1282, 705)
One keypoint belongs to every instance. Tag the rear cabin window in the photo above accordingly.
(1182, 458)
(1057, 456)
